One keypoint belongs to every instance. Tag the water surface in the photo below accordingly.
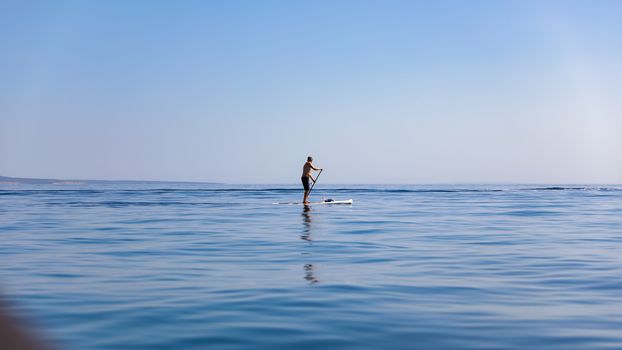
(182, 266)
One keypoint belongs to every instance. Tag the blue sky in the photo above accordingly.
(376, 91)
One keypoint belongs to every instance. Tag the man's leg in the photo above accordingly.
(306, 196)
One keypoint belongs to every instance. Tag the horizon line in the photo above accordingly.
(494, 183)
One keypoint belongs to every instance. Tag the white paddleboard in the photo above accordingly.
(347, 201)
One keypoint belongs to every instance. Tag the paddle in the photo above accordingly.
(317, 177)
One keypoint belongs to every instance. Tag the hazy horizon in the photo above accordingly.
(321, 183)
(396, 92)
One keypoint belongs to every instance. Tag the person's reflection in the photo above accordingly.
(306, 235)
(310, 274)
(306, 223)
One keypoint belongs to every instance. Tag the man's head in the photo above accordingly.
(309, 159)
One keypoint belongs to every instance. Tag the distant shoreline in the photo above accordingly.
(6, 180)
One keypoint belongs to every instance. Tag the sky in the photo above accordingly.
(382, 92)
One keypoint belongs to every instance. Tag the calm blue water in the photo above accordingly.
(140, 266)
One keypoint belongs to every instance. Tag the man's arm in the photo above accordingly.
(314, 168)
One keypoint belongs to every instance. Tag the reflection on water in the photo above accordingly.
(306, 224)
(306, 235)
(310, 274)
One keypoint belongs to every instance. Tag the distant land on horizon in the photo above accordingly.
(22, 180)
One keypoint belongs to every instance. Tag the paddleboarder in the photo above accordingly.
(306, 175)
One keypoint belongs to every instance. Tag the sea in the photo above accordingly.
(212, 266)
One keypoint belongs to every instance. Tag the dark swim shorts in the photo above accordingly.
(305, 182)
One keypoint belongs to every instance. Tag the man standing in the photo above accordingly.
(306, 175)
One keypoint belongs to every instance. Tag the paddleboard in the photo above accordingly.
(328, 201)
